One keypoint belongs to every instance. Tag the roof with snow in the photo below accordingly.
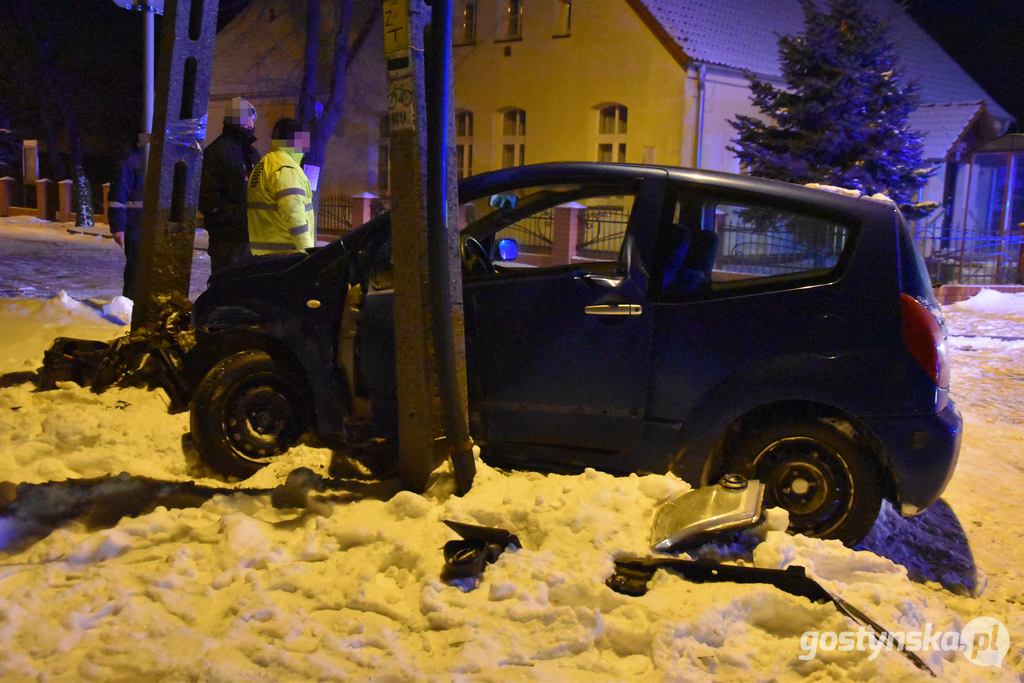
(944, 126)
(740, 34)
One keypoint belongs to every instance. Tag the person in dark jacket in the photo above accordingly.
(227, 163)
(125, 212)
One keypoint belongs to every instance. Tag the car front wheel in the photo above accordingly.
(819, 472)
(246, 411)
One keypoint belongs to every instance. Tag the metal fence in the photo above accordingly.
(746, 249)
(334, 218)
(970, 257)
(534, 233)
(604, 227)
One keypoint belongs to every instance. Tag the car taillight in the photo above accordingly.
(924, 339)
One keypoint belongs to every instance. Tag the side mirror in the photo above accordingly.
(508, 249)
(504, 201)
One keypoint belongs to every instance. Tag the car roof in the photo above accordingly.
(732, 183)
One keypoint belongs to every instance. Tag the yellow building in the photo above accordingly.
(645, 81)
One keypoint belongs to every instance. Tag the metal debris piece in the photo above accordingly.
(708, 513)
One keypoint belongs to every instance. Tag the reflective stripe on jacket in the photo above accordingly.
(280, 205)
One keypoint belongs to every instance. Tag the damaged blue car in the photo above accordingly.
(627, 318)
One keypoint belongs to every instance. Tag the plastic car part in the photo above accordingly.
(923, 336)
(631, 577)
(818, 470)
(246, 411)
(480, 546)
(708, 513)
(151, 358)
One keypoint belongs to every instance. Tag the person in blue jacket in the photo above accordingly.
(125, 212)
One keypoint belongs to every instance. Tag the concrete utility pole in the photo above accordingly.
(430, 351)
(176, 157)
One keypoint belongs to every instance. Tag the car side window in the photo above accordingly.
(549, 227)
(712, 248)
(773, 245)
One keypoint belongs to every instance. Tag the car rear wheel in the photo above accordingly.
(822, 475)
(245, 412)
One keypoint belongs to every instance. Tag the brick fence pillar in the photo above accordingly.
(565, 231)
(46, 199)
(361, 208)
(64, 214)
(6, 195)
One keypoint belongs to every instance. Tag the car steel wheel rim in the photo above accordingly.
(259, 421)
(809, 480)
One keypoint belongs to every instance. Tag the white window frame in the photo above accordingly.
(611, 139)
(464, 143)
(512, 124)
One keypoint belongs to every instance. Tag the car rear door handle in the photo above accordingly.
(614, 309)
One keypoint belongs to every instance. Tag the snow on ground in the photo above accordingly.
(350, 589)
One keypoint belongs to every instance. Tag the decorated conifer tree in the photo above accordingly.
(842, 120)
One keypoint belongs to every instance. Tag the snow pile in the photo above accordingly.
(991, 301)
(878, 196)
(350, 588)
(237, 590)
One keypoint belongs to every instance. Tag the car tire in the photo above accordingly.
(819, 471)
(245, 412)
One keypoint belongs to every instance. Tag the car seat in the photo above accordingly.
(694, 271)
(678, 244)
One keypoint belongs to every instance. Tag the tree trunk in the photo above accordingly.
(324, 127)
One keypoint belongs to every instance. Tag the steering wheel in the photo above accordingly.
(475, 260)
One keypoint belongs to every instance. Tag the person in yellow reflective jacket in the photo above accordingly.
(280, 202)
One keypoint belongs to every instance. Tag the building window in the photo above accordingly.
(464, 143)
(611, 133)
(513, 138)
(513, 18)
(384, 154)
(564, 18)
(465, 29)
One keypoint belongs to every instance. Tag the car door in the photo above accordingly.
(558, 347)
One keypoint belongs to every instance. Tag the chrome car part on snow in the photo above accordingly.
(707, 513)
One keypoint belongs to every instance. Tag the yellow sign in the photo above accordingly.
(396, 25)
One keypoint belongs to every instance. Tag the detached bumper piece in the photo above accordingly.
(632, 576)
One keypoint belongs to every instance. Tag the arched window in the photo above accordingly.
(464, 143)
(513, 138)
(611, 133)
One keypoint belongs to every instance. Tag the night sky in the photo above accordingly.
(986, 37)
